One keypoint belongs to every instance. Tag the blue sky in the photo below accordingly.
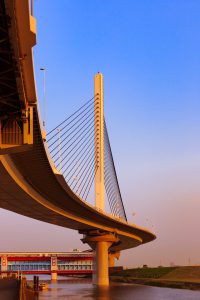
(148, 52)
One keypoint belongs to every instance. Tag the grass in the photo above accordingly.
(173, 277)
(146, 272)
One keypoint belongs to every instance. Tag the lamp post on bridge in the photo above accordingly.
(59, 151)
(44, 95)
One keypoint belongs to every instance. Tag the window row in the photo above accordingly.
(47, 263)
(75, 262)
(45, 268)
(28, 268)
(64, 267)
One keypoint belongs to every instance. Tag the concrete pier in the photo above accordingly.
(54, 267)
(101, 244)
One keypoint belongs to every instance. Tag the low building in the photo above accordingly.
(53, 263)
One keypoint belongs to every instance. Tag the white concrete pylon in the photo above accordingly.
(99, 140)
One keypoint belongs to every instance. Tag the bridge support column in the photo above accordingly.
(4, 264)
(100, 274)
(54, 268)
(111, 258)
(54, 275)
(101, 244)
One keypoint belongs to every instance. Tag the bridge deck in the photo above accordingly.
(45, 196)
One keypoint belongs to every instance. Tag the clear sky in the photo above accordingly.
(148, 52)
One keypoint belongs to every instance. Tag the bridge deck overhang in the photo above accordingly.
(31, 187)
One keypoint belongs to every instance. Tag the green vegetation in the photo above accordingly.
(190, 273)
(173, 277)
(145, 272)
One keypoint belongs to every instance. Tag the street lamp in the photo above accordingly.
(44, 95)
(59, 150)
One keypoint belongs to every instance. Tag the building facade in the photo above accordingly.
(62, 263)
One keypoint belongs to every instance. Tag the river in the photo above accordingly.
(82, 289)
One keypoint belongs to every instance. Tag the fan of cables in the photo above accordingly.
(72, 148)
(71, 145)
(111, 181)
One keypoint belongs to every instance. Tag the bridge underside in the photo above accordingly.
(14, 198)
(9, 72)
(31, 188)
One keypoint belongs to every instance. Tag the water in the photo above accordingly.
(82, 289)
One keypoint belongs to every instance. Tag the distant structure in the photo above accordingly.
(51, 263)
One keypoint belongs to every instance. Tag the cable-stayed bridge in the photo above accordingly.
(74, 146)
(53, 177)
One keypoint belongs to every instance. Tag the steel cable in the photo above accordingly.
(76, 144)
(85, 178)
(116, 183)
(68, 131)
(68, 118)
(76, 158)
(91, 182)
(84, 121)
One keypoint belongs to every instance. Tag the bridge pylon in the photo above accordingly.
(100, 242)
(99, 140)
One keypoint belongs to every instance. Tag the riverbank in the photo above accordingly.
(175, 277)
(14, 289)
(9, 289)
